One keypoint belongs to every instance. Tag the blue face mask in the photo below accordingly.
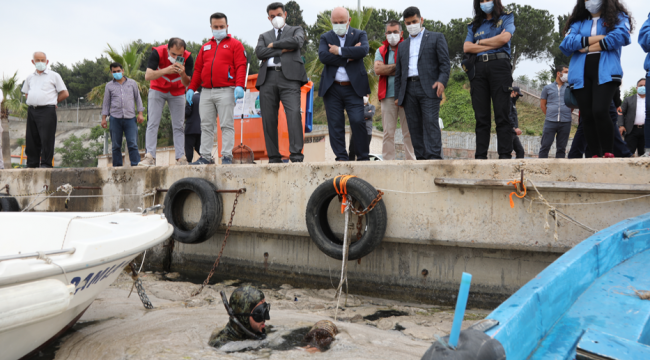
(117, 76)
(641, 90)
(487, 7)
(219, 34)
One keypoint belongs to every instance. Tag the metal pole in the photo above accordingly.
(78, 110)
(359, 6)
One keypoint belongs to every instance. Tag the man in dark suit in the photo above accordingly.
(632, 120)
(421, 75)
(280, 78)
(344, 83)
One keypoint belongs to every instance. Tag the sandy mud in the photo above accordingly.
(117, 327)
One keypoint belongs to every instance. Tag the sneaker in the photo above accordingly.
(203, 161)
(147, 161)
(226, 160)
(182, 161)
(608, 155)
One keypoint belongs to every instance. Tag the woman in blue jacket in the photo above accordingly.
(644, 41)
(594, 35)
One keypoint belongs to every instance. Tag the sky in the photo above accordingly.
(70, 30)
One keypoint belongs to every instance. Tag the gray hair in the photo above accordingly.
(39, 52)
(393, 23)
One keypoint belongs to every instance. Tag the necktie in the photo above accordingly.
(276, 60)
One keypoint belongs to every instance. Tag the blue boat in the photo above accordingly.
(588, 304)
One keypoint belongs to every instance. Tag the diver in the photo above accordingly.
(248, 313)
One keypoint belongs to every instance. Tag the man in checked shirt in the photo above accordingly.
(120, 98)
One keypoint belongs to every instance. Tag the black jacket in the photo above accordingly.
(192, 118)
(514, 119)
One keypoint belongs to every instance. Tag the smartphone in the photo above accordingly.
(180, 60)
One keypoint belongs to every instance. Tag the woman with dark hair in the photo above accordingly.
(488, 36)
(594, 35)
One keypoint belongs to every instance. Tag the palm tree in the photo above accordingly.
(359, 21)
(7, 86)
(131, 58)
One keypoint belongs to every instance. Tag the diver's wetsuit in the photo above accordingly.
(242, 301)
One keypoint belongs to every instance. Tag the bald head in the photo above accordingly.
(340, 15)
(39, 55)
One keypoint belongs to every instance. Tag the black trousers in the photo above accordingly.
(558, 132)
(579, 144)
(491, 87)
(594, 101)
(353, 152)
(39, 137)
(636, 140)
(422, 113)
(192, 142)
(516, 145)
(277, 88)
(337, 99)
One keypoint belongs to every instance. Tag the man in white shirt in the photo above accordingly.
(44, 89)
(632, 122)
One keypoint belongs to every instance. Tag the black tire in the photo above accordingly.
(8, 204)
(319, 228)
(211, 210)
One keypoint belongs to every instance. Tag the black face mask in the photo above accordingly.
(260, 313)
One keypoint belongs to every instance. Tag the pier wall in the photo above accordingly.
(442, 230)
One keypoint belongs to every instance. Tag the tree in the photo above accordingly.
(455, 33)
(533, 34)
(75, 154)
(359, 21)
(376, 27)
(83, 77)
(7, 86)
(554, 49)
(523, 79)
(545, 77)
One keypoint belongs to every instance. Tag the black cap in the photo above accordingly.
(517, 90)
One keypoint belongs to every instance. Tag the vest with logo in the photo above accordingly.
(383, 79)
(169, 83)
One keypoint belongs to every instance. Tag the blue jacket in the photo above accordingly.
(610, 57)
(644, 41)
(355, 68)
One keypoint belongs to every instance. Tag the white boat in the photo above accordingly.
(53, 265)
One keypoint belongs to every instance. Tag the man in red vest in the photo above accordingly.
(385, 68)
(221, 71)
(169, 71)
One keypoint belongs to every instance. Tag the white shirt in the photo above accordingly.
(270, 62)
(341, 74)
(594, 31)
(414, 52)
(640, 111)
(43, 89)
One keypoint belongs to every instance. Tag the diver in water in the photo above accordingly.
(248, 313)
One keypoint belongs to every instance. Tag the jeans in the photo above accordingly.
(128, 127)
(422, 113)
(558, 132)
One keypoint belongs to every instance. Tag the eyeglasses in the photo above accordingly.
(260, 313)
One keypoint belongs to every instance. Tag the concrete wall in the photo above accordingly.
(443, 230)
(89, 115)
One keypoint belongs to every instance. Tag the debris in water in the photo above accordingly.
(384, 314)
(321, 335)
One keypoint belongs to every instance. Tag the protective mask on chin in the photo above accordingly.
(40, 66)
(641, 90)
(219, 34)
(413, 29)
(487, 7)
(393, 39)
(340, 29)
(564, 78)
(278, 22)
(593, 6)
(171, 59)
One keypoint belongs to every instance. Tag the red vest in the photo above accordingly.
(383, 79)
(170, 83)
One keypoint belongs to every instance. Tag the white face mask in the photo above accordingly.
(564, 78)
(278, 22)
(393, 39)
(413, 29)
(40, 66)
(593, 6)
(340, 29)
(171, 59)
(365, 99)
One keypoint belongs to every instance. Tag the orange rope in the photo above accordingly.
(515, 193)
(343, 189)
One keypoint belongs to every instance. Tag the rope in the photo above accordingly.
(599, 202)
(48, 260)
(344, 263)
(517, 191)
(342, 191)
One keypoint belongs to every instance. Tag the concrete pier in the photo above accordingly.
(434, 233)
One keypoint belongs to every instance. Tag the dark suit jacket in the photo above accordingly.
(355, 67)
(433, 64)
(629, 113)
(293, 67)
(192, 117)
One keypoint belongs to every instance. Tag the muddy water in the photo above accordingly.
(117, 327)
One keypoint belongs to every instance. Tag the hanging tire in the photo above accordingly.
(211, 210)
(321, 232)
(8, 204)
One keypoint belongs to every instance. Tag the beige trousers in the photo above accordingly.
(389, 114)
